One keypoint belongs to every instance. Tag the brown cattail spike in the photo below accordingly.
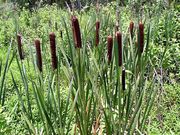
(53, 50)
(131, 28)
(119, 42)
(141, 37)
(97, 32)
(123, 79)
(109, 45)
(76, 32)
(38, 55)
(20, 50)
(97, 25)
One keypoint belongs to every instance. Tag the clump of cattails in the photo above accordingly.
(141, 37)
(20, 50)
(76, 32)
(97, 32)
(38, 55)
(109, 46)
(131, 28)
(119, 43)
(53, 50)
(123, 79)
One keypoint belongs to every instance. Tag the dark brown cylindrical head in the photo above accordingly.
(20, 50)
(141, 37)
(53, 50)
(123, 79)
(131, 28)
(76, 32)
(109, 46)
(97, 25)
(38, 54)
(119, 43)
(97, 32)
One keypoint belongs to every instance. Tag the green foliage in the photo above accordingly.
(4, 128)
(165, 114)
(166, 36)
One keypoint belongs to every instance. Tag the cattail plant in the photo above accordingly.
(119, 43)
(97, 32)
(38, 55)
(131, 28)
(109, 45)
(76, 32)
(53, 50)
(141, 37)
(123, 79)
(20, 50)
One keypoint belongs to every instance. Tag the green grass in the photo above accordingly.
(164, 118)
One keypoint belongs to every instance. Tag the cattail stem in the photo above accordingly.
(76, 32)
(53, 50)
(141, 37)
(119, 42)
(97, 32)
(20, 50)
(116, 28)
(123, 79)
(109, 45)
(38, 55)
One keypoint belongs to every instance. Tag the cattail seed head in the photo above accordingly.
(97, 32)
(20, 50)
(97, 25)
(141, 37)
(119, 42)
(123, 79)
(76, 32)
(53, 50)
(109, 45)
(38, 55)
(131, 28)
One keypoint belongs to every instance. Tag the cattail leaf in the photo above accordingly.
(2, 91)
